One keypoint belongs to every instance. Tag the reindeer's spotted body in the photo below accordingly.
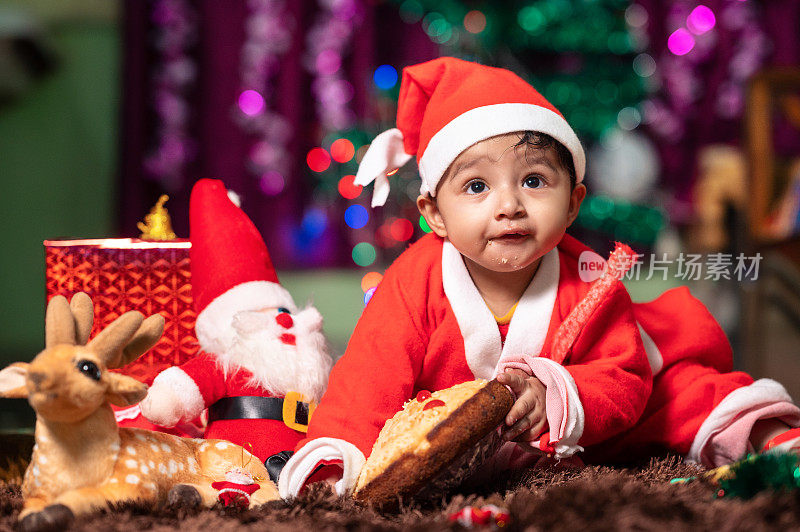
(81, 460)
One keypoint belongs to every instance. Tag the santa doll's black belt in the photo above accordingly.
(255, 407)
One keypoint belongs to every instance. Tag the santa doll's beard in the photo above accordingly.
(279, 367)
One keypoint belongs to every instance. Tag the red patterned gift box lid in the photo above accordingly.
(122, 274)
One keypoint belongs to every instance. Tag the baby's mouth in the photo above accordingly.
(509, 238)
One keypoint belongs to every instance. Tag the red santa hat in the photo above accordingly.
(231, 268)
(445, 106)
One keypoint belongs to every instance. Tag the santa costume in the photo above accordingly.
(263, 363)
(441, 333)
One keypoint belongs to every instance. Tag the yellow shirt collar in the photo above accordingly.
(503, 320)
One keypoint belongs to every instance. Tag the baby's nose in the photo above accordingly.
(284, 320)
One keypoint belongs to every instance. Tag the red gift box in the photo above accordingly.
(122, 274)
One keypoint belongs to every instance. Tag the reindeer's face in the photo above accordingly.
(66, 383)
(69, 379)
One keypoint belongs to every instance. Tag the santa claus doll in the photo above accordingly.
(263, 363)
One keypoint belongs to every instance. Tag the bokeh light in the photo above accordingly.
(347, 189)
(318, 159)
(356, 216)
(368, 295)
(474, 21)
(251, 102)
(680, 42)
(437, 27)
(361, 152)
(629, 118)
(364, 254)
(402, 230)
(328, 62)
(531, 19)
(644, 65)
(271, 183)
(370, 280)
(700, 20)
(423, 224)
(636, 16)
(314, 222)
(385, 77)
(342, 150)
(411, 11)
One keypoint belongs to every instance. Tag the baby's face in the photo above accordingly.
(504, 207)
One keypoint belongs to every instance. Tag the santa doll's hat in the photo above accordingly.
(231, 268)
(445, 106)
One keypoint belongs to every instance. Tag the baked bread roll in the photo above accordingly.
(435, 442)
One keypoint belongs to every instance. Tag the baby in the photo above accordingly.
(483, 295)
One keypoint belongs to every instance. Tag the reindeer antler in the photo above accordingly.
(126, 338)
(109, 342)
(83, 314)
(146, 337)
(59, 325)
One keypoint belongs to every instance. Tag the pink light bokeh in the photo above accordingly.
(700, 20)
(251, 102)
(680, 42)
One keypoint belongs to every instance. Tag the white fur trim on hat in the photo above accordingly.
(488, 121)
(214, 326)
(385, 154)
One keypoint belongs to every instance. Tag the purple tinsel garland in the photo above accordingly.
(268, 36)
(327, 42)
(671, 111)
(175, 32)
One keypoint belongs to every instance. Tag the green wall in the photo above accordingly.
(58, 154)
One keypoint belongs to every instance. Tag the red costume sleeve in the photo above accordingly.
(209, 377)
(610, 369)
(376, 375)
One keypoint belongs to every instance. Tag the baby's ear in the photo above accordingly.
(430, 211)
(575, 199)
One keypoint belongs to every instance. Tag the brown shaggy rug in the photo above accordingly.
(592, 498)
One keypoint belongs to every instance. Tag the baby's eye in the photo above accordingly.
(532, 181)
(476, 187)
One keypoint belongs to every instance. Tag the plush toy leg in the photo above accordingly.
(32, 504)
(85, 500)
(52, 517)
(266, 493)
(192, 495)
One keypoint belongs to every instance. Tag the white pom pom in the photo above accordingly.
(235, 198)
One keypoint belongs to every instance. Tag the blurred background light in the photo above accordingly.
(356, 216)
(364, 254)
(385, 77)
(423, 224)
(342, 150)
(700, 20)
(370, 280)
(271, 183)
(318, 159)
(475, 21)
(680, 42)
(347, 189)
(251, 102)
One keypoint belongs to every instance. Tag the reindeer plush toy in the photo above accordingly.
(82, 460)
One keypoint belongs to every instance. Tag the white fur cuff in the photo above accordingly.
(761, 393)
(302, 464)
(172, 397)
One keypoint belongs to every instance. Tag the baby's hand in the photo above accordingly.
(527, 418)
